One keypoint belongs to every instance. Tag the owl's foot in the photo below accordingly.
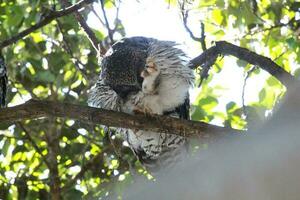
(145, 111)
(150, 74)
(150, 70)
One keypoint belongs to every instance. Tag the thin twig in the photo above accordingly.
(110, 33)
(68, 49)
(244, 89)
(96, 159)
(90, 34)
(97, 16)
(185, 14)
(203, 43)
(35, 146)
(275, 26)
(49, 18)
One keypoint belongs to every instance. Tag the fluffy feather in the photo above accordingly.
(164, 89)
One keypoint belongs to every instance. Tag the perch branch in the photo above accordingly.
(39, 109)
(225, 48)
(49, 18)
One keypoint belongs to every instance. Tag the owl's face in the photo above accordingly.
(122, 72)
(121, 68)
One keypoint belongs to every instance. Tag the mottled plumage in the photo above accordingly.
(146, 75)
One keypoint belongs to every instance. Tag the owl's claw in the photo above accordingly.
(150, 74)
(137, 110)
(146, 111)
(150, 70)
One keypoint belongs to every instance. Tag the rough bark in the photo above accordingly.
(39, 109)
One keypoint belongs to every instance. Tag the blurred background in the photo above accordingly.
(57, 62)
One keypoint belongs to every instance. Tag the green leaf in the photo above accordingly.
(37, 37)
(272, 81)
(73, 194)
(262, 95)
(5, 147)
(198, 113)
(19, 148)
(69, 133)
(208, 103)
(217, 16)
(292, 43)
(68, 75)
(45, 76)
(230, 107)
(206, 3)
(297, 73)
(17, 15)
(4, 125)
(241, 63)
(108, 4)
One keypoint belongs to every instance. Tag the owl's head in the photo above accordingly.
(121, 67)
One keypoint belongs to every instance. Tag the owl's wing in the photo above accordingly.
(102, 96)
(184, 110)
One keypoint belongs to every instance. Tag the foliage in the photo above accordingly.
(57, 62)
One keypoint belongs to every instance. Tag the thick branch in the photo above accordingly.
(38, 109)
(225, 48)
(49, 18)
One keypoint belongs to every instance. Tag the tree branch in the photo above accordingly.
(224, 48)
(52, 138)
(69, 50)
(34, 109)
(49, 18)
(110, 33)
(90, 34)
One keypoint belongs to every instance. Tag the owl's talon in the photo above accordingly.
(150, 75)
(146, 111)
(137, 110)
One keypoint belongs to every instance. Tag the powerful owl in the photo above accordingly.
(146, 75)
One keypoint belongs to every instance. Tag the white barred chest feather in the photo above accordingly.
(172, 79)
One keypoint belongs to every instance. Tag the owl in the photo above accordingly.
(142, 75)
